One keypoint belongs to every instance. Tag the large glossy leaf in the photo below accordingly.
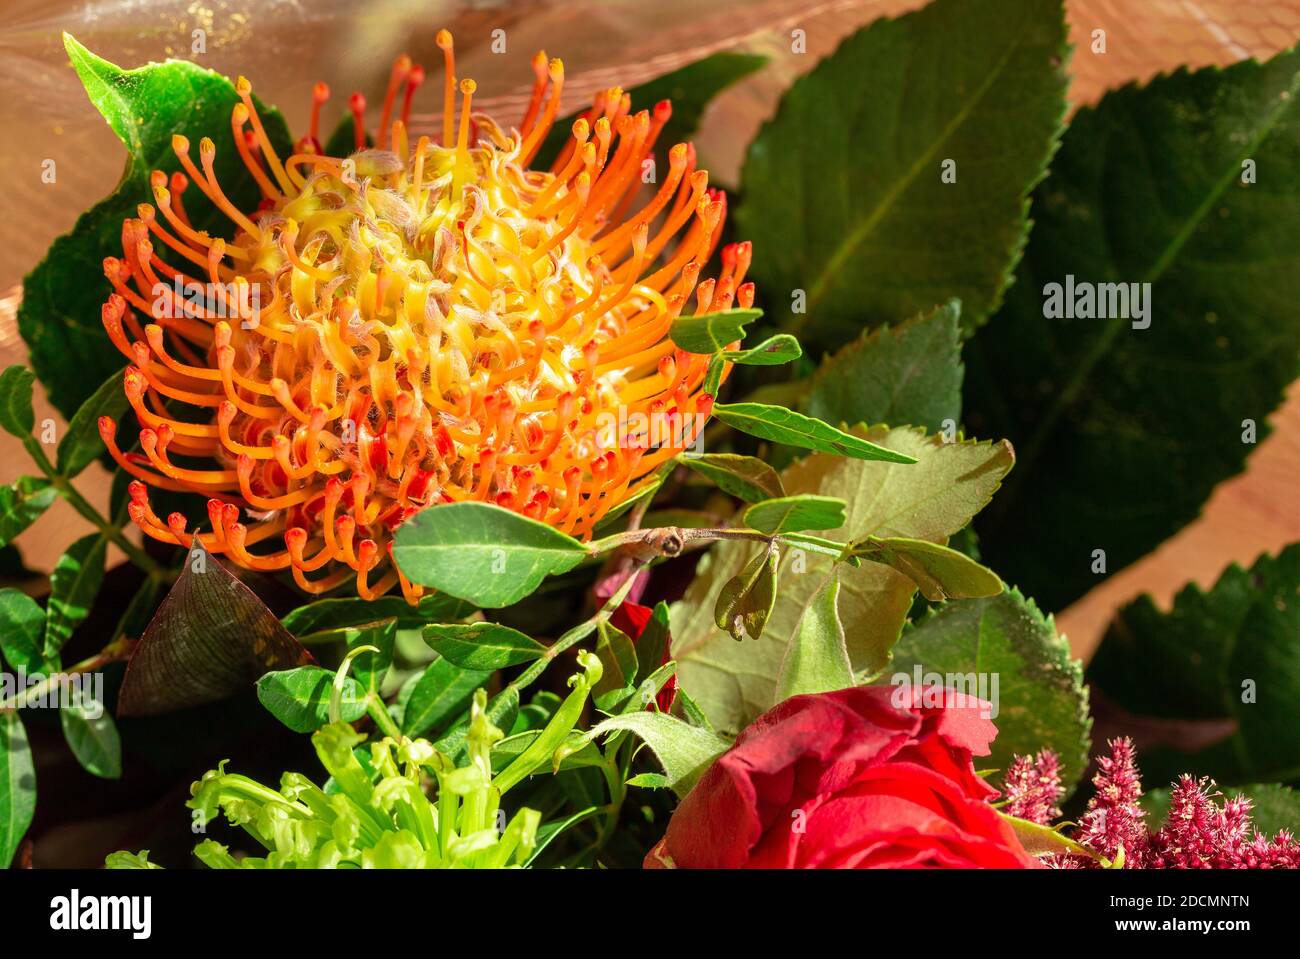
(59, 316)
(904, 375)
(931, 499)
(482, 553)
(482, 646)
(844, 190)
(1225, 663)
(210, 638)
(1040, 698)
(1122, 432)
(300, 697)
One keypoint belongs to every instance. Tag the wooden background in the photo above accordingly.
(284, 48)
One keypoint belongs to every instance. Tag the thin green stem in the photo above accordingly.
(109, 530)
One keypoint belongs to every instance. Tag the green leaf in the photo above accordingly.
(300, 697)
(930, 500)
(1221, 669)
(690, 88)
(326, 615)
(652, 645)
(780, 425)
(17, 785)
(746, 477)
(792, 514)
(844, 194)
(81, 442)
(442, 692)
(74, 584)
(941, 573)
(1040, 699)
(16, 414)
(1123, 432)
(60, 312)
(22, 503)
(93, 738)
(22, 626)
(817, 659)
(618, 659)
(684, 751)
(1040, 840)
(541, 750)
(210, 638)
(745, 601)
(710, 333)
(482, 553)
(905, 374)
(482, 646)
(773, 351)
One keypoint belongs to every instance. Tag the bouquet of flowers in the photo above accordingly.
(571, 511)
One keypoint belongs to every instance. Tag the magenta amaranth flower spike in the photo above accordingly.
(437, 322)
(1114, 819)
(1033, 788)
(1200, 834)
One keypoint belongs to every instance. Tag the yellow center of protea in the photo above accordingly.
(416, 325)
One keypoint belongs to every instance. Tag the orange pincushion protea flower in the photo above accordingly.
(404, 327)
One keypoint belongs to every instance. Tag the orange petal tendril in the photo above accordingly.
(434, 322)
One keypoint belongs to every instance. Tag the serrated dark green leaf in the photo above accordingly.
(780, 425)
(482, 646)
(482, 553)
(1040, 698)
(22, 503)
(844, 193)
(746, 477)
(60, 312)
(1226, 661)
(1123, 432)
(909, 374)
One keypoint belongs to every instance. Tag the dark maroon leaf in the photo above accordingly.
(211, 638)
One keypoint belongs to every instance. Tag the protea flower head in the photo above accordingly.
(415, 324)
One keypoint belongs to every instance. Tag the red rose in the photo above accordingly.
(848, 780)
